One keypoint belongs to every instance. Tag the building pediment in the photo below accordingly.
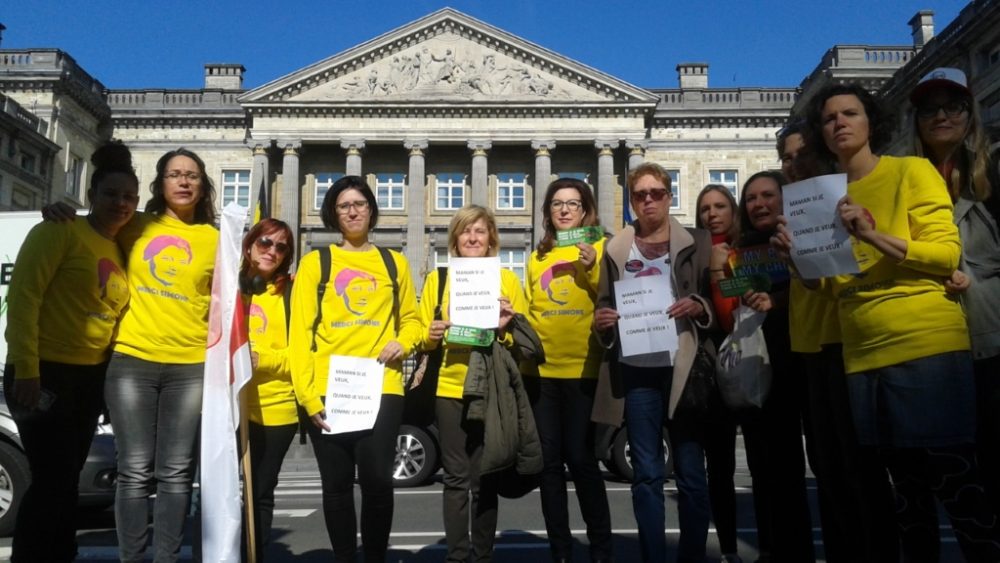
(447, 57)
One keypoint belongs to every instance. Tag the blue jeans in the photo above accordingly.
(687, 443)
(155, 410)
(644, 417)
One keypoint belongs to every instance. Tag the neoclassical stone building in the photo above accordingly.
(444, 111)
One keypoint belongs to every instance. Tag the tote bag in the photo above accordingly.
(743, 367)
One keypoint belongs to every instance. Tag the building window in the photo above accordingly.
(728, 178)
(28, 162)
(236, 187)
(675, 188)
(450, 191)
(324, 181)
(510, 191)
(389, 189)
(513, 259)
(441, 257)
(74, 177)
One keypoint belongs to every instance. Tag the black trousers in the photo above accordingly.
(373, 452)
(56, 443)
(268, 446)
(562, 415)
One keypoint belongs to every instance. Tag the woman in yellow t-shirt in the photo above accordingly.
(364, 313)
(154, 381)
(472, 234)
(906, 343)
(268, 252)
(65, 298)
(561, 286)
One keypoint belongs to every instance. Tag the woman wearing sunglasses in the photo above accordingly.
(268, 251)
(647, 387)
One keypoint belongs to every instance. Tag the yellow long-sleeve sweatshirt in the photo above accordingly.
(270, 395)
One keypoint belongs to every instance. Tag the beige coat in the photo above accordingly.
(690, 250)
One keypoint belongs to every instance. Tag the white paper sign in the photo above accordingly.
(643, 324)
(474, 292)
(353, 393)
(821, 246)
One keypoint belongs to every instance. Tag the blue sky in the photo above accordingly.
(147, 44)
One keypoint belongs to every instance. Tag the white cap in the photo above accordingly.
(942, 77)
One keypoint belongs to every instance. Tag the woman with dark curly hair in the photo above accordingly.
(906, 343)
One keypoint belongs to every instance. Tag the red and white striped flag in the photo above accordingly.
(227, 370)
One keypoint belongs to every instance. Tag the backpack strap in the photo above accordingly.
(390, 268)
(324, 279)
(442, 278)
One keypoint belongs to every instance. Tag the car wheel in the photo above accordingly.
(416, 457)
(621, 457)
(14, 479)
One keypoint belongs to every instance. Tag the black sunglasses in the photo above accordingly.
(265, 243)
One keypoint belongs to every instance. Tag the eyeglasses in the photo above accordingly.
(177, 175)
(570, 204)
(265, 243)
(951, 109)
(345, 208)
(657, 195)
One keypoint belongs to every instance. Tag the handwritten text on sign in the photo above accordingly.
(474, 292)
(821, 246)
(353, 393)
(643, 325)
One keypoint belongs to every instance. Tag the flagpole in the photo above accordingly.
(248, 504)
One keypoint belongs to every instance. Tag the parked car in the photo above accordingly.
(417, 447)
(613, 443)
(97, 479)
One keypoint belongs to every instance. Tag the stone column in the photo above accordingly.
(605, 182)
(543, 172)
(636, 153)
(416, 207)
(480, 172)
(260, 178)
(291, 188)
(353, 148)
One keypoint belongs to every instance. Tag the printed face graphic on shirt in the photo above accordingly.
(257, 320)
(356, 288)
(558, 281)
(112, 282)
(168, 257)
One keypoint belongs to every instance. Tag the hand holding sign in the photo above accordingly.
(819, 243)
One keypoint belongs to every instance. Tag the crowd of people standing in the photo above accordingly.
(892, 375)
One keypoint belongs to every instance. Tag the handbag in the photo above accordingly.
(700, 390)
(418, 406)
(743, 367)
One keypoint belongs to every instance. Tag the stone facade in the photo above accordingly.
(26, 159)
(449, 110)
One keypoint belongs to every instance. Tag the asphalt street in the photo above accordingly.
(299, 533)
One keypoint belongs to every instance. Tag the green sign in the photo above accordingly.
(736, 287)
(469, 336)
(571, 237)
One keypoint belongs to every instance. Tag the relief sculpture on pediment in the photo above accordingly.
(449, 72)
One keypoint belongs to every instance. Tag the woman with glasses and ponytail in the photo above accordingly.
(268, 252)
(645, 389)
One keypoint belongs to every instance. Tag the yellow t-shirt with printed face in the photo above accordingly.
(896, 311)
(358, 319)
(455, 358)
(170, 266)
(561, 295)
(270, 396)
(66, 294)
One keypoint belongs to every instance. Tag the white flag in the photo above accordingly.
(227, 369)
